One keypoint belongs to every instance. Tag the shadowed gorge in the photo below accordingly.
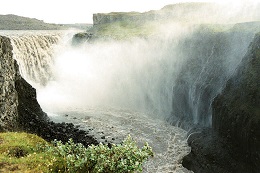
(184, 78)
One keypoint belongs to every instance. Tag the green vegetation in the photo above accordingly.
(122, 30)
(22, 152)
(19, 153)
(247, 27)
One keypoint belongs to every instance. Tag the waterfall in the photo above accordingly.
(34, 54)
(175, 75)
(134, 75)
(116, 88)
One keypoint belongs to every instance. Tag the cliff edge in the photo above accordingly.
(233, 143)
(236, 111)
(18, 99)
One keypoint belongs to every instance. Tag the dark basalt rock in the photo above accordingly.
(80, 38)
(236, 111)
(212, 154)
(209, 59)
(233, 144)
(33, 120)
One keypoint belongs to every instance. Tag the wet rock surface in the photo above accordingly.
(209, 59)
(212, 154)
(233, 144)
(32, 119)
(236, 111)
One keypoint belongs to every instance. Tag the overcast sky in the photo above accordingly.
(80, 11)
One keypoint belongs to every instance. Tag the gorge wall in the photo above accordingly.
(232, 144)
(211, 57)
(8, 94)
(236, 111)
(18, 98)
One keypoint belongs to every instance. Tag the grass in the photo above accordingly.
(28, 153)
(18, 153)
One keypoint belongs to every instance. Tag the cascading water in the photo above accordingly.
(34, 55)
(114, 88)
(124, 75)
(127, 87)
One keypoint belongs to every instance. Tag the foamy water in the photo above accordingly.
(110, 125)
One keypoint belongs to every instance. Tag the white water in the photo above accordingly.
(113, 125)
(136, 75)
(115, 88)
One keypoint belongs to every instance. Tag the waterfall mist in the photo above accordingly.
(174, 74)
(137, 74)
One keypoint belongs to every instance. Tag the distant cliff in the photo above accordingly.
(14, 22)
(192, 12)
(172, 12)
(125, 25)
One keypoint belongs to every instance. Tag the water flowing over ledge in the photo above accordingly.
(174, 77)
(168, 142)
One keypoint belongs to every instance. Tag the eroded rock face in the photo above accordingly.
(233, 144)
(210, 58)
(236, 111)
(18, 99)
(8, 94)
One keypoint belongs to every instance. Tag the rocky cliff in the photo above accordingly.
(209, 59)
(19, 108)
(8, 93)
(15, 93)
(233, 143)
(236, 111)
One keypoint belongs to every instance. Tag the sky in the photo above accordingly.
(81, 11)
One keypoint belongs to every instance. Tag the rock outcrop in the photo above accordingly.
(18, 98)
(8, 93)
(209, 59)
(19, 108)
(233, 144)
(236, 111)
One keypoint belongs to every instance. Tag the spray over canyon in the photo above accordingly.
(166, 75)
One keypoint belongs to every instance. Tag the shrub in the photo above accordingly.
(75, 158)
